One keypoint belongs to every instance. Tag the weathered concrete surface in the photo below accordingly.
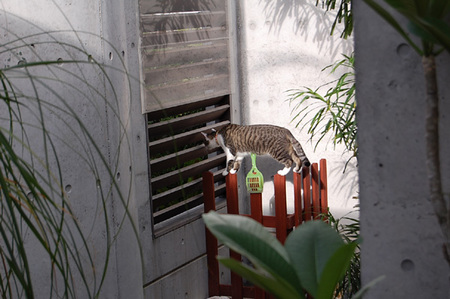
(401, 238)
(104, 99)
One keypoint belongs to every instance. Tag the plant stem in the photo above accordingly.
(432, 148)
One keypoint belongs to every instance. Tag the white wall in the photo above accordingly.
(284, 45)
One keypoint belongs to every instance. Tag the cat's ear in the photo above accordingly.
(214, 130)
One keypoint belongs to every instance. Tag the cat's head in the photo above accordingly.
(210, 139)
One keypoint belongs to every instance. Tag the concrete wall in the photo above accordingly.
(284, 45)
(105, 100)
(401, 238)
(278, 47)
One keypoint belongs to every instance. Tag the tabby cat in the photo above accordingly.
(238, 141)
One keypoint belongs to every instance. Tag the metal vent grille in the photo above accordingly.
(178, 157)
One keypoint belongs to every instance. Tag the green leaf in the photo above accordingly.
(367, 287)
(333, 111)
(335, 270)
(439, 8)
(432, 30)
(310, 247)
(393, 22)
(426, 21)
(271, 285)
(249, 238)
(408, 7)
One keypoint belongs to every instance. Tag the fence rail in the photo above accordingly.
(310, 203)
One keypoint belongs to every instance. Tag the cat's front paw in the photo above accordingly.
(225, 173)
(233, 171)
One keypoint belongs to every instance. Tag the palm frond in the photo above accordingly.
(332, 112)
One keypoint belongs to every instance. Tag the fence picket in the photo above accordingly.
(310, 200)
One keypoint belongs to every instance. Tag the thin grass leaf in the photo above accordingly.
(332, 112)
(360, 294)
(36, 202)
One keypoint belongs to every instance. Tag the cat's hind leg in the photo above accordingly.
(298, 164)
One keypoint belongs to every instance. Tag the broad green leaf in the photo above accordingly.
(278, 288)
(335, 270)
(249, 238)
(310, 247)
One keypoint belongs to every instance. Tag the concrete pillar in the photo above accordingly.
(401, 237)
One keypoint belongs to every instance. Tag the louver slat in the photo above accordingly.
(185, 51)
(178, 157)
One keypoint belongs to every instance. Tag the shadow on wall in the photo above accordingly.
(176, 21)
(343, 183)
(308, 19)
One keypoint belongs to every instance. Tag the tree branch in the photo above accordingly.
(432, 147)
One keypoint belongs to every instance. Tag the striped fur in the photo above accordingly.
(238, 141)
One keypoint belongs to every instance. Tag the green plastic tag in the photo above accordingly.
(254, 179)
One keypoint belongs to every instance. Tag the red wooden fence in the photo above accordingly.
(310, 202)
